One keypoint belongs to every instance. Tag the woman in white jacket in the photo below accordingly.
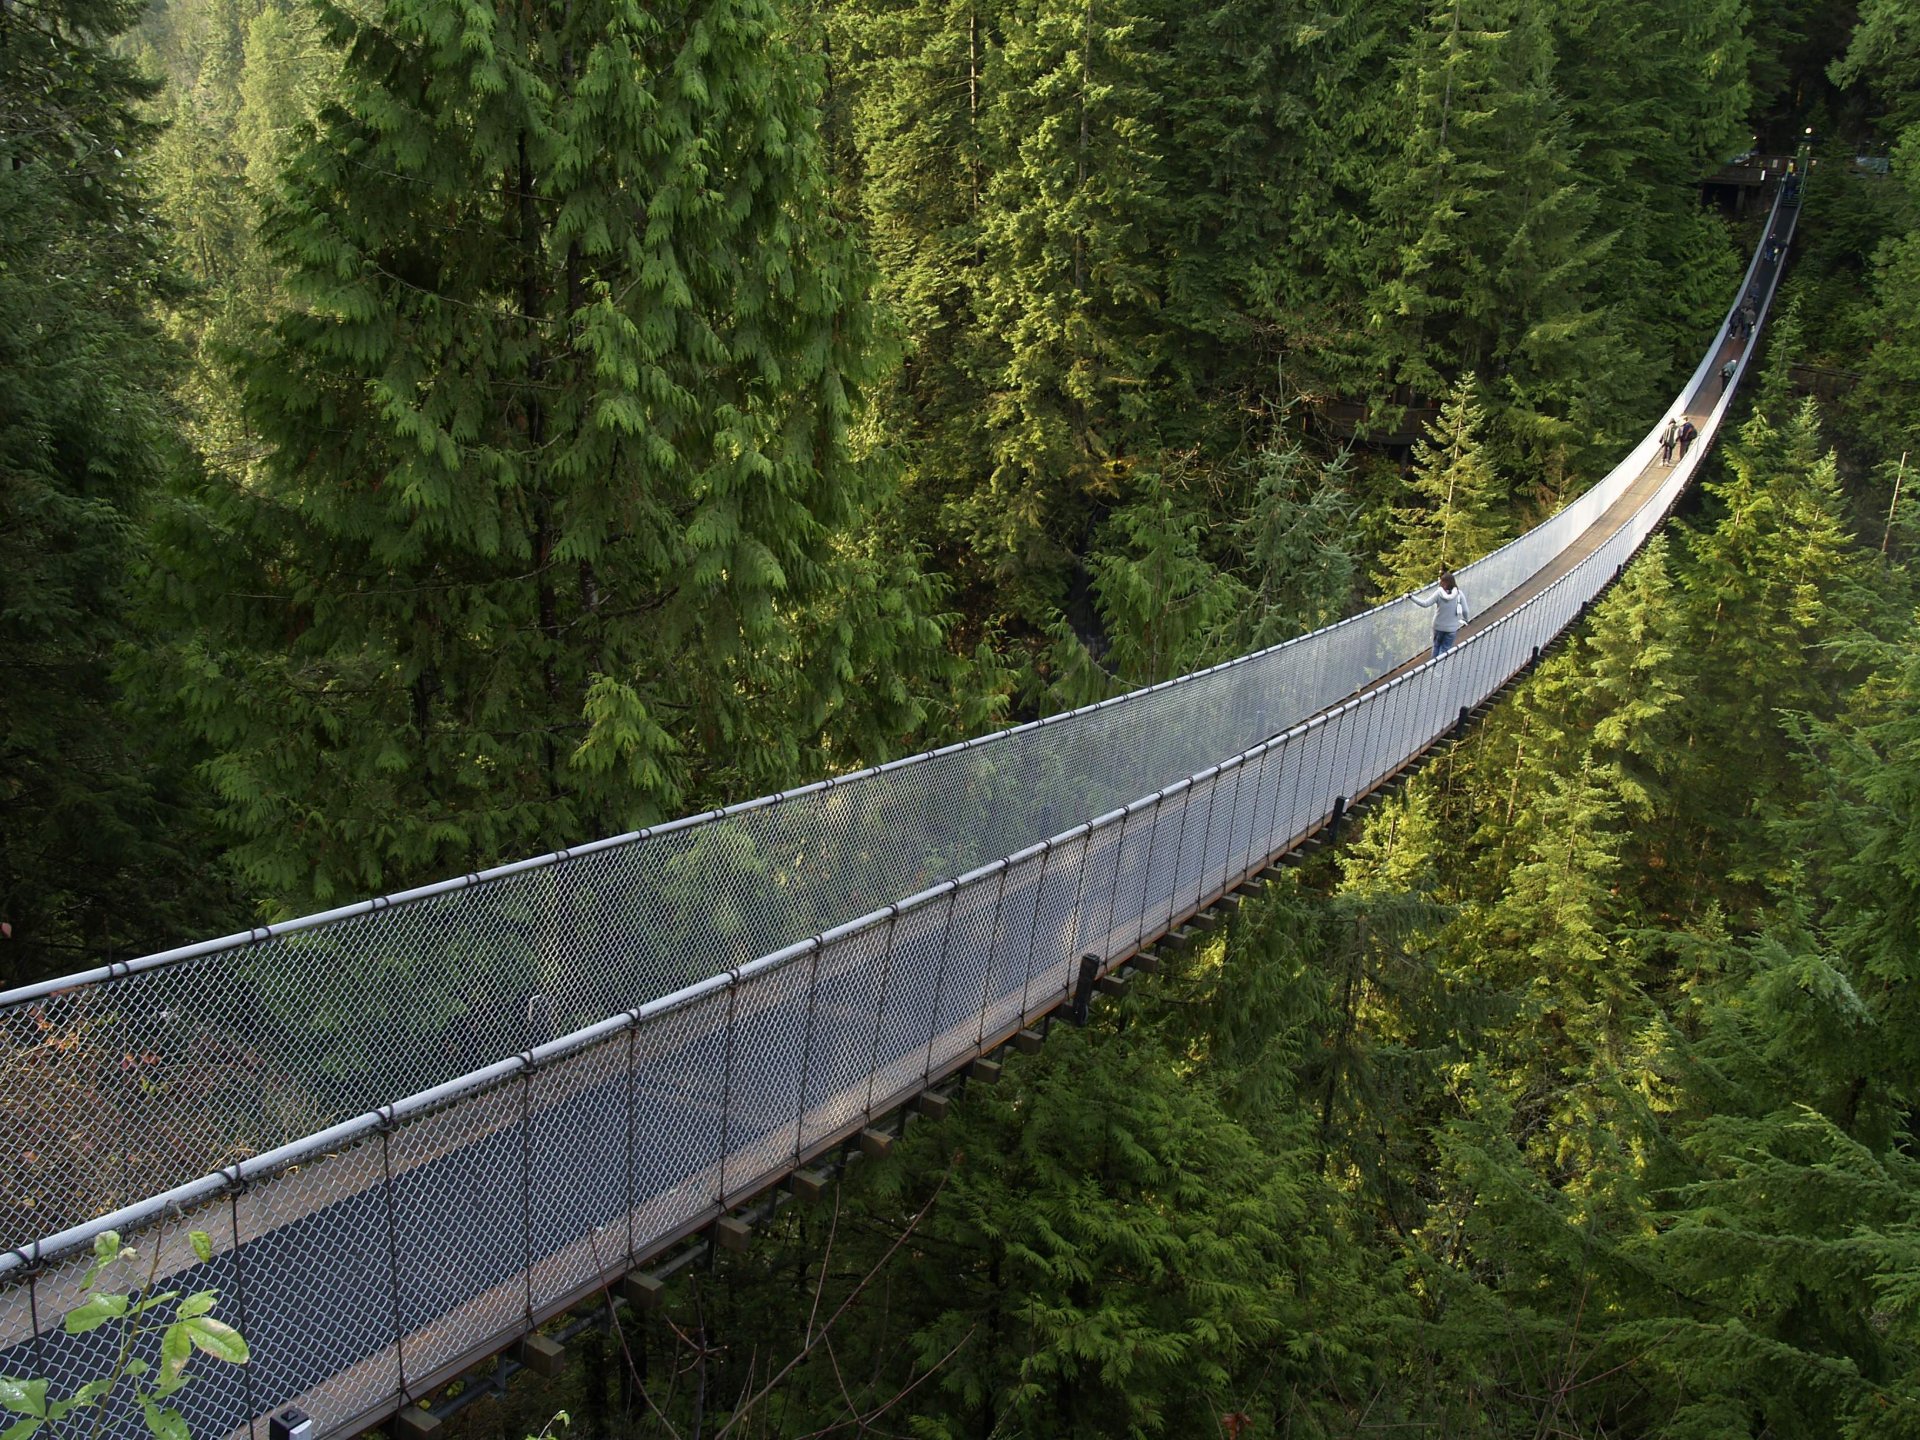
(1449, 612)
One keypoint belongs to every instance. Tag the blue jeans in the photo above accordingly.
(1443, 642)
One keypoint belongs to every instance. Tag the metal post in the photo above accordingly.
(1369, 769)
(33, 1317)
(1083, 991)
(1146, 873)
(1206, 844)
(526, 1178)
(1233, 823)
(993, 949)
(806, 1055)
(1293, 759)
(726, 1096)
(940, 980)
(1179, 849)
(240, 1294)
(1113, 890)
(1039, 892)
(393, 1252)
(880, 1012)
(633, 1135)
(1079, 898)
(1259, 842)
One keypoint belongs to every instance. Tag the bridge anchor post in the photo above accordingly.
(1083, 990)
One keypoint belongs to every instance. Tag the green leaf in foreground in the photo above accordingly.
(216, 1338)
(95, 1313)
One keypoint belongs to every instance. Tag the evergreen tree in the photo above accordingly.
(1298, 541)
(1456, 514)
(559, 483)
(922, 79)
(1071, 282)
(1769, 580)
(1495, 235)
(1654, 97)
(1163, 607)
(99, 832)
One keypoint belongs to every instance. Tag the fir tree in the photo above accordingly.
(1456, 514)
(1768, 582)
(1163, 607)
(1654, 98)
(559, 473)
(1298, 539)
(1071, 283)
(1495, 234)
(923, 79)
(99, 837)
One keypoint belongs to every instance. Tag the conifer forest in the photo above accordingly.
(438, 432)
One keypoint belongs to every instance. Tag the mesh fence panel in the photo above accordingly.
(1001, 1003)
(460, 1217)
(846, 1021)
(1061, 900)
(318, 1244)
(961, 979)
(918, 942)
(770, 1054)
(577, 1196)
(679, 1100)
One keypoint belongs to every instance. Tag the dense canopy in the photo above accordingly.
(434, 432)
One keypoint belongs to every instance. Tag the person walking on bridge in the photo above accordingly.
(1449, 608)
(1667, 437)
(1726, 374)
(1687, 436)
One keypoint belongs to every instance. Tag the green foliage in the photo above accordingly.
(144, 1319)
(98, 845)
(1495, 235)
(1455, 512)
(1200, 564)
(1770, 577)
(568, 477)
(1297, 541)
(559, 495)
(1163, 607)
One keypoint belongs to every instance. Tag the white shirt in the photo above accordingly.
(1449, 609)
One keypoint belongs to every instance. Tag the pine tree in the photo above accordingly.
(1767, 583)
(1495, 235)
(922, 79)
(100, 834)
(559, 483)
(1457, 512)
(1164, 609)
(1298, 539)
(1071, 282)
(1654, 98)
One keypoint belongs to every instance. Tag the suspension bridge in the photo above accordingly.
(417, 1127)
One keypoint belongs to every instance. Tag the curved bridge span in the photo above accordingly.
(777, 975)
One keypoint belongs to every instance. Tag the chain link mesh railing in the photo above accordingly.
(382, 1254)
